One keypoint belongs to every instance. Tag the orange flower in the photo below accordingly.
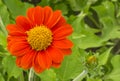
(40, 39)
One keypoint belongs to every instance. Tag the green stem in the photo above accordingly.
(31, 75)
(81, 76)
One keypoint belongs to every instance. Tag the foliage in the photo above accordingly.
(96, 25)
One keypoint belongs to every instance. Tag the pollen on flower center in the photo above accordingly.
(39, 37)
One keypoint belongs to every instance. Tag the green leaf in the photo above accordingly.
(84, 36)
(16, 7)
(110, 30)
(78, 23)
(87, 40)
(4, 18)
(115, 73)
(106, 9)
(1, 77)
(103, 58)
(48, 75)
(44, 2)
(93, 79)
(2, 50)
(71, 66)
(10, 67)
(81, 5)
(4, 14)
(63, 7)
(77, 5)
(106, 13)
(2, 39)
(74, 5)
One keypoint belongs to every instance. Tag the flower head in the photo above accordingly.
(91, 59)
(39, 40)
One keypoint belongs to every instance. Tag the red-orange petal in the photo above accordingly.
(9, 44)
(40, 57)
(56, 65)
(38, 15)
(18, 61)
(44, 60)
(18, 33)
(17, 38)
(11, 27)
(26, 61)
(63, 44)
(36, 66)
(19, 48)
(56, 54)
(38, 69)
(62, 32)
(60, 23)
(13, 30)
(66, 51)
(30, 14)
(23, 23)
(12, 39)
(48, 60)
(47, 14)
(54, 19)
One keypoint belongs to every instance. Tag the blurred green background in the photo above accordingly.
(96, 38)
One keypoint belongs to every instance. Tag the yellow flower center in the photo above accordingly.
(39, 37)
